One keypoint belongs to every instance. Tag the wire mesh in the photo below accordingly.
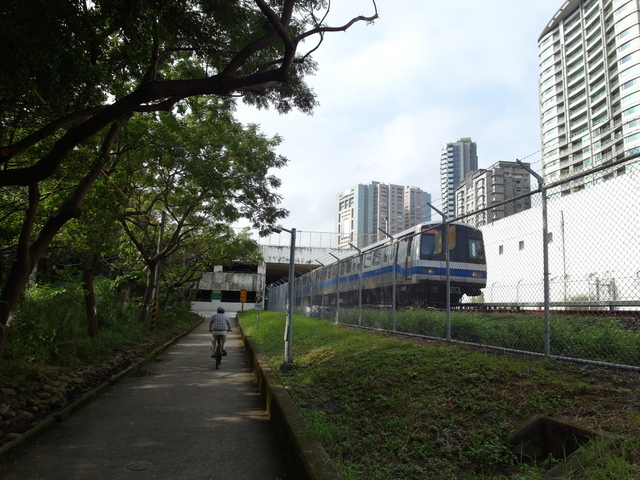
(592, 285)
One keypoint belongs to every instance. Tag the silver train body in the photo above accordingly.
(413, 264)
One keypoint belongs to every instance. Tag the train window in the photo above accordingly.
(470, 241)
(409, 244)
(428, 243)
(367, 260)
(474, 248)
(453, 233)
(437, 242)
(438, 246)
(377, 256)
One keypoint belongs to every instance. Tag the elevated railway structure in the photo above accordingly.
(233, 286)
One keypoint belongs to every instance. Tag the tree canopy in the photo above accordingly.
(76, 72)
(76, 67)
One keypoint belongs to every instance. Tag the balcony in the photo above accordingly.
(598, 96)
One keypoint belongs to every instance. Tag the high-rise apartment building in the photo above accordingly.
(458, 159)
(365, 208)
(589, 87)
(493, 186)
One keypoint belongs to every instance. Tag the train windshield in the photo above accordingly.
(431, 241)
(428, 243)
(465, 244)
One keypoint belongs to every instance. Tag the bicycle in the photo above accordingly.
(217, 350)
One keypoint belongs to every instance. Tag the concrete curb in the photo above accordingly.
(41, 427)
(305, 456)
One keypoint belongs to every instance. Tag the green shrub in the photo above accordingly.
(51, 326)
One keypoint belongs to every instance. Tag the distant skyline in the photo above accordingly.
(392, 94)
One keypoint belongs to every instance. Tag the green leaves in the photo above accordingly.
(75, 72)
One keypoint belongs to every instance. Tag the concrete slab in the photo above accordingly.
(178, 418)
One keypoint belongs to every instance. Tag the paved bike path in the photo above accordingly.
(178, 418)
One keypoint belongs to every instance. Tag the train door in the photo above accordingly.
(408, 258)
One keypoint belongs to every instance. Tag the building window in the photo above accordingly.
(521, 245)
(500, 249)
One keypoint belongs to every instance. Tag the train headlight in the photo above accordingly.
(430, 271)
(477, 274)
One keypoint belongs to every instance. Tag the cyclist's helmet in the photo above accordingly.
(220, 310)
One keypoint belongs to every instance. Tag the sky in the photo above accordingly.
(393, 93)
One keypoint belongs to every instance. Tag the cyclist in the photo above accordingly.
(219, 325)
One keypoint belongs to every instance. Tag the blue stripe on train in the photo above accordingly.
(454, 272)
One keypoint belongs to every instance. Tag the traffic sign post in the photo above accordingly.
(243, 297)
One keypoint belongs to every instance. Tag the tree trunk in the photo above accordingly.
(20, 269)
(29, 252)
(148, 292)
(88, 277)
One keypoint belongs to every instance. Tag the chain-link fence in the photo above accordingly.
(560, 278)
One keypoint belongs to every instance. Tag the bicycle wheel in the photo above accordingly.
(218, 352)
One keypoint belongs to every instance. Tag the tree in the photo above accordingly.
(142, 54)
(194, 172)
(78, 71)
(93, 237)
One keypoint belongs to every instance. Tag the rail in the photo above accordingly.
(612, 305)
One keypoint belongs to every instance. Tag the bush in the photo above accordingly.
(51, 327)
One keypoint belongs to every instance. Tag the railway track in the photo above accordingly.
(620, 309)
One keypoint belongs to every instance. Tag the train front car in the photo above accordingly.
(467, 264)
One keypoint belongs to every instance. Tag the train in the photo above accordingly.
(409, 269)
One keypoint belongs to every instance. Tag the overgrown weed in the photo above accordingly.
(51, 328)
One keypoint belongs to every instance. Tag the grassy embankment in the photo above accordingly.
(388, 408)
(600, 338)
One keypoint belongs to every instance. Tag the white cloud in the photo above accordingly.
(392, 94)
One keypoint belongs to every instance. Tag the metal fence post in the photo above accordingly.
(359, 284)
(445, 246)
(321, 292)
(337, 288)
(395, 270)
(545, 259)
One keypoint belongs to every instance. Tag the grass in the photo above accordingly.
(388, 408)
(602, 339)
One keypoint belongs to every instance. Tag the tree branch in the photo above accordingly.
(71, 207)
(167, 93)
(9, 151)
(343, 28)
